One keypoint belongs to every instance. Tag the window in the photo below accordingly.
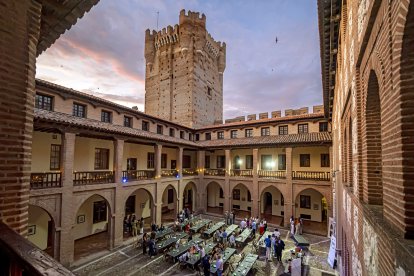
(220, 135)
(236, 194)
(282, 162)
(221, 161)
(172, 132)
(323, 126)
(325, 162)
(101, 159)
(209, 91)
(302, 128)
(207, 162)
(248, 132)
(305, 201)
(170, 196)
(233, 134)
(283, 130)
(131, 164)
(79, 110)
(99, 211)
(43, 102)
(305, 160)
(150, 160)
(265, 131)
(106, 116)
(197, 137)
(55, 157)
(163, 160)
(249, 196)
(182, 134)
(208, 136)
(249, 162)
(221, 193)
(145, 125)
(190, 136)
(159, 129)
(127, 121)
(266, 162)
(186, 161)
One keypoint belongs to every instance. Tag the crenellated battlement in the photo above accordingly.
(163, 37)
(192, 18)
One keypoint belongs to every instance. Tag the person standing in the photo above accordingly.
(144, 243)
(134, 227)
(292, 226)
(301, 225)
(274, 245)
(141, 226)
(151, 247)
(297, 231)
(276, 233)
(265, 225)
(254, 228)
(280, 246)
(234, 217)
(220, 266)
(268, 244)
(206, 265)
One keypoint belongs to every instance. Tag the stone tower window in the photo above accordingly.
(209, 91)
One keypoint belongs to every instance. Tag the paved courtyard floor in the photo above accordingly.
(126, 260)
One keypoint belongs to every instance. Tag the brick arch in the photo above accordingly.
(403, 212)
(240, 183)
(265, 186)
(190, 183)
(172, 186)
(372, 142)
(325, 193)
(52, 215)
(86, 197)
(125, 198)
(221, 185)
(49, 207)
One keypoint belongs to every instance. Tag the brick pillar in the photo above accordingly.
(289, 200)
(68, 213)
(118, 158)
(180, 197)
(227, 192)
(201, 191)
(255, 187)
(158, 203)
(180, 153)
(157, 156)
(19, 28)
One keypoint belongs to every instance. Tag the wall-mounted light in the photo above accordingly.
(124, 180)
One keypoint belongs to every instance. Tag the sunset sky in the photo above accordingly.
(103, 54)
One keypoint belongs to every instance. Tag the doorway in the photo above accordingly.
(173, 164)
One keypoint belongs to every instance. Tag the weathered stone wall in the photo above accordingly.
(184, 73)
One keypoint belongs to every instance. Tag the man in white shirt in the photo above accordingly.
(276, 233)
(243, 224)
(232, 240)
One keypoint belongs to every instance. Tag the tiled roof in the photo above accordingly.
(59, 88)
(265, 121)
(308, 138)
(84, 123)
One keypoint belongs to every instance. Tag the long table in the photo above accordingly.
(246, 265)
(199, 224)
(170, 241)
(264, 236)
(187, 221)
(213, 229)
(197, 257)
(247, 233)
(226, 256)
(177, 252)
(161, 234)
(231, 229)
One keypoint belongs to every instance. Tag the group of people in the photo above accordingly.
(296, 226)
(255, 224)
(133, 226)
(148, 240)
(276, 243)
(222, 236)
(230, 217)
(184, 214)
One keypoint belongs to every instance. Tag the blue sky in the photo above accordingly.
(103, 54)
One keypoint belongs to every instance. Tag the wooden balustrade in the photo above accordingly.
(45, 180)
(132, 175)
(272, 174)
(241, 173)
(303, 175)
(189, 172)
(94, 177)
(215, 172)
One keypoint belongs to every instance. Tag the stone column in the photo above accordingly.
(227, 191)
(289, 200)
(19, 29)
(180, 196)
(255, 186)
(118, 158)
(68, 214)
(157, 156)
(180, 153)
(158, 203)
(201, 192)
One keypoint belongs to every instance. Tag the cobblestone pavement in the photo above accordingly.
(130, 261)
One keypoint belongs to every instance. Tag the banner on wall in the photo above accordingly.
(332, 251)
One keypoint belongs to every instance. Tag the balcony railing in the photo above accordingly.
(169, 173)
(189, 172)
(98, 177)
(320, 176)
(241, 173)
(20, 257)
(45, 180)
(272, 174)
(215, 172)
(132, 175)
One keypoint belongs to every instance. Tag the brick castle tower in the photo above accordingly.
(184, 73)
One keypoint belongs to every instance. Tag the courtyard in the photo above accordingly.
(128, 260)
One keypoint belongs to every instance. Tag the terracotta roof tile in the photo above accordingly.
(308, 138)
(63, 118)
